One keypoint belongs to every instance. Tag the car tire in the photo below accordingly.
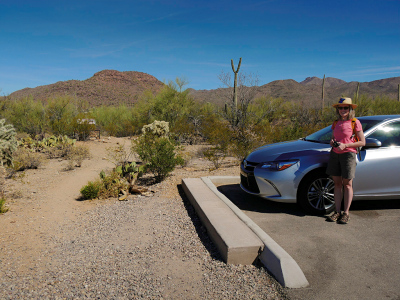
(316, 194)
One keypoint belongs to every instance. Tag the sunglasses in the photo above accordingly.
(343, 107)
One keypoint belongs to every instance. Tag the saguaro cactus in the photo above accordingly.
(235, 87)
(323, 92)
(358, 90)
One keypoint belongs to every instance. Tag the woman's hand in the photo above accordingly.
(341, 146)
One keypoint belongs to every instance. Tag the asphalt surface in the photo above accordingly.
(360, 260)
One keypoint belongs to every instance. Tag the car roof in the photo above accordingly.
(379, 117)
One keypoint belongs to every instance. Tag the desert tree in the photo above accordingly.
(27, 115)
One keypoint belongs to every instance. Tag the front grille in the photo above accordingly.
(249, 183)
(250, 166)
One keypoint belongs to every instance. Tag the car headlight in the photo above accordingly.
(279, 165)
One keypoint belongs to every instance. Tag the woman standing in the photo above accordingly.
(342, 160)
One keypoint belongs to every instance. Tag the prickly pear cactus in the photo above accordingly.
(8, 142)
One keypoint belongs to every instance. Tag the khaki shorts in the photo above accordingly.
(343, 165)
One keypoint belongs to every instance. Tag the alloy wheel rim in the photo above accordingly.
(320, 194)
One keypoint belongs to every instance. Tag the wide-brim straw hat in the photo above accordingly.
(345, 101)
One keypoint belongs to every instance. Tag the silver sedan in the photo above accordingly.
(295, 171)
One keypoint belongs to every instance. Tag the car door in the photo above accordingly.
(378, 169)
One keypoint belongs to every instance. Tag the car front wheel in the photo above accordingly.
(316, 194)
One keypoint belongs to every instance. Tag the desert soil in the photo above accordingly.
(55, 246)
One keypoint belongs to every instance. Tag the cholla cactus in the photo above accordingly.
(8, 143)
(157, 128)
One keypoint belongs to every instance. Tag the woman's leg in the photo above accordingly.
(338, 190)
(348, 194)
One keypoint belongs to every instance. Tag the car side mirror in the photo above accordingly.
(372, 143)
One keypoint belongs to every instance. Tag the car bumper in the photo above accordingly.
(279, 186)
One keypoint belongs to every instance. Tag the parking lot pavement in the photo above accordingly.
(360, 260)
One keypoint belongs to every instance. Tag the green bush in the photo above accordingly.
(3, 209)
(112, 184)
(156, 150)
(61, 113)
(27, 115)
(108, 185)
(91, 190)
(116, 121)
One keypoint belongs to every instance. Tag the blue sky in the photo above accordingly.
(45, 41)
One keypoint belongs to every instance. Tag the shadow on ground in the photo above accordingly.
(253, 203)
(200, 229)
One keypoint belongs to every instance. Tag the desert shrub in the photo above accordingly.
(172, 104)
(3, 209)
(156, 150)
(218, 134)
(119, 155)
(245, 140)
(2, 179)
(27, 116)
(108, 185)
(83, 126)
(61, 113)
(76, 155)
(25, 158)
(8, 143)
(91, 190)
(158, 154)
(115, 120)
(186, 156)
(111, 184)
(216, 155)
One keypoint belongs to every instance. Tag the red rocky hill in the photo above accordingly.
(105, 87)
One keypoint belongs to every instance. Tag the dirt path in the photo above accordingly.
(53, 246)
(46, 199)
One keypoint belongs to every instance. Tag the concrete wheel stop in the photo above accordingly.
(238, 239)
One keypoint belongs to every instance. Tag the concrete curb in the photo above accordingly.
(274, 257)
(236, 243)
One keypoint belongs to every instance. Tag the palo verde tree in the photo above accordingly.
(173, 105)
(27, 115)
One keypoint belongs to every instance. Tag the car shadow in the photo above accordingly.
(375, 205)
(249, 202)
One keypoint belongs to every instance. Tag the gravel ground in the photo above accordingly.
(150, 247)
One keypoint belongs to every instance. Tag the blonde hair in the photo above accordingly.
(350, 116)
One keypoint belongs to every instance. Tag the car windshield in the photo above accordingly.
(324, 135)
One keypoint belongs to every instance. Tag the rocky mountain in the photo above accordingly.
(105, 87)
(329, 81)
(110, 87)
(309, 91)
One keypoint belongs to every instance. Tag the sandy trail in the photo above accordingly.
(49, 197)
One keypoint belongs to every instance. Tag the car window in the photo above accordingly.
(325, 135)
(389, 135)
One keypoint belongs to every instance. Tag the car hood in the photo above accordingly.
(287, 150)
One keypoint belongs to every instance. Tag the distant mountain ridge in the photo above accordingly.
(105, 87)
(109, 87)
(329, 81)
